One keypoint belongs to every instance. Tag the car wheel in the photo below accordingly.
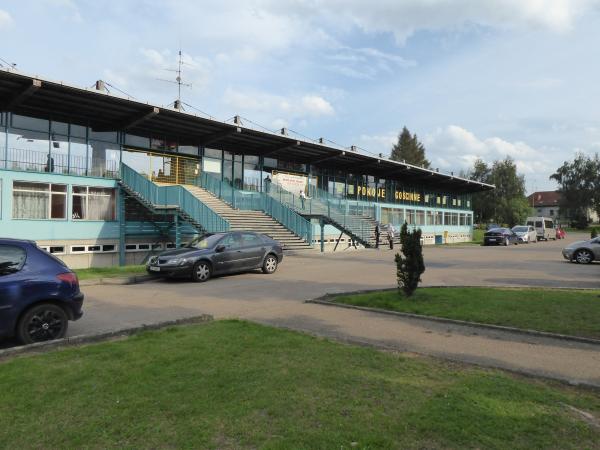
(584, 257)
(270, 264)
(43, 322)
(201, 271)
(506, 242)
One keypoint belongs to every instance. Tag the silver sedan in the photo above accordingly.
(526, 233)
(583, 252)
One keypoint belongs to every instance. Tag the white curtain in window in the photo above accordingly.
(100, 207)
(30, 205)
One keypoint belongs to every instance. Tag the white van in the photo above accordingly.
(544, 227)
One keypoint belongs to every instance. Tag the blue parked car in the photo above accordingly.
(38, 293)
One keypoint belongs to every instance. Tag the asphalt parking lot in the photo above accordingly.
(310, 275)
(279, 300)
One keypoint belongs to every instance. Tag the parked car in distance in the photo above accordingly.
(39, 294)
(583, 252)
(525, 233)
(544, 226)
(560, 233)
(500, 236)
(218, 254)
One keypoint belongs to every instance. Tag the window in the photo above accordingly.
(231, 241)
(92, 203)
(250, 240)
(39, 200)
(420, 217)
(12, 259)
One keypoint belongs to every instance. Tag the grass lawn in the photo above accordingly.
(560, 311)
(478, 236)
(110, 272)
(235, 385)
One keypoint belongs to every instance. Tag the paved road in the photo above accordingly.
(279, 300)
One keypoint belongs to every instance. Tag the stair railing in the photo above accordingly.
(259, 201)
(352, 217)
(173, 196)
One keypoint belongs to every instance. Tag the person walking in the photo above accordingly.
(390, 236)
(303, 198)
(377, 234)
(267, 183)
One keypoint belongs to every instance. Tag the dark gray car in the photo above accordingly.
(218, 254)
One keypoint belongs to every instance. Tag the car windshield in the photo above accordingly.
(206, 241)
(496, 230)
(520, 229)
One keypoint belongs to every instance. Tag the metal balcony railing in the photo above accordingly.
(61, 163)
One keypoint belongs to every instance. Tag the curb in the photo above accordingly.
(545, 334)
(42, 347)
(135, 279)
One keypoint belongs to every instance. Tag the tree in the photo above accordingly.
(507, 203)
(410, 267)
(579, 186)
(483, 205)
(409, 149)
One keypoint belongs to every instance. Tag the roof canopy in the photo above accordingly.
(33, 96)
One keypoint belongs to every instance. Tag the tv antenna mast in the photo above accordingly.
(178, 81)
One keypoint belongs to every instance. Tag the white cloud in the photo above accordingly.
(366, 62)
(6, 19)
(379, 143)
(404, 18)
(292, 107)
(454, 147)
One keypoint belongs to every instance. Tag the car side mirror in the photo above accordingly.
(220, 248)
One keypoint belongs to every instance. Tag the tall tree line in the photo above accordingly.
(505, 205)
(579, 185)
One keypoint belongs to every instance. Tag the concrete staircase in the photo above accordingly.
(256, 221)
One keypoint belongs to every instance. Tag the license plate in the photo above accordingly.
(154, 269)
(492, 239)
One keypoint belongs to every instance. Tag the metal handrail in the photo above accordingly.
(349, 216)
(259, 201)
(63, 163)
(174, 196)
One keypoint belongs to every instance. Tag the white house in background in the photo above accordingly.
(546, 204)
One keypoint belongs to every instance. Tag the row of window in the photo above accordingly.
(105, 248)
(33, 200)
(418, 217)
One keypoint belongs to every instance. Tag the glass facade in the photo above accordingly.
(41, 145)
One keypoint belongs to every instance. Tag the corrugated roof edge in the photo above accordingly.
(210, 118)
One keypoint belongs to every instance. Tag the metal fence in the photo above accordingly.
(61, 163)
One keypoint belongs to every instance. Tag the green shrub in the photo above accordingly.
(594, 232)
(410, 266)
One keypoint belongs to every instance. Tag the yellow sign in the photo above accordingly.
(410, 196)
(398, 195)
(371, 192)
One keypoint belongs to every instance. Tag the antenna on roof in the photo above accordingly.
(8, 65)
(178, 81)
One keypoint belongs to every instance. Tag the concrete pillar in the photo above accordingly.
(177, 231)
(322, 224)
(121, 212)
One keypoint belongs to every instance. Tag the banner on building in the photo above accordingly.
(291, 182)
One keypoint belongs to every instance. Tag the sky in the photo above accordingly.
(472, 78)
